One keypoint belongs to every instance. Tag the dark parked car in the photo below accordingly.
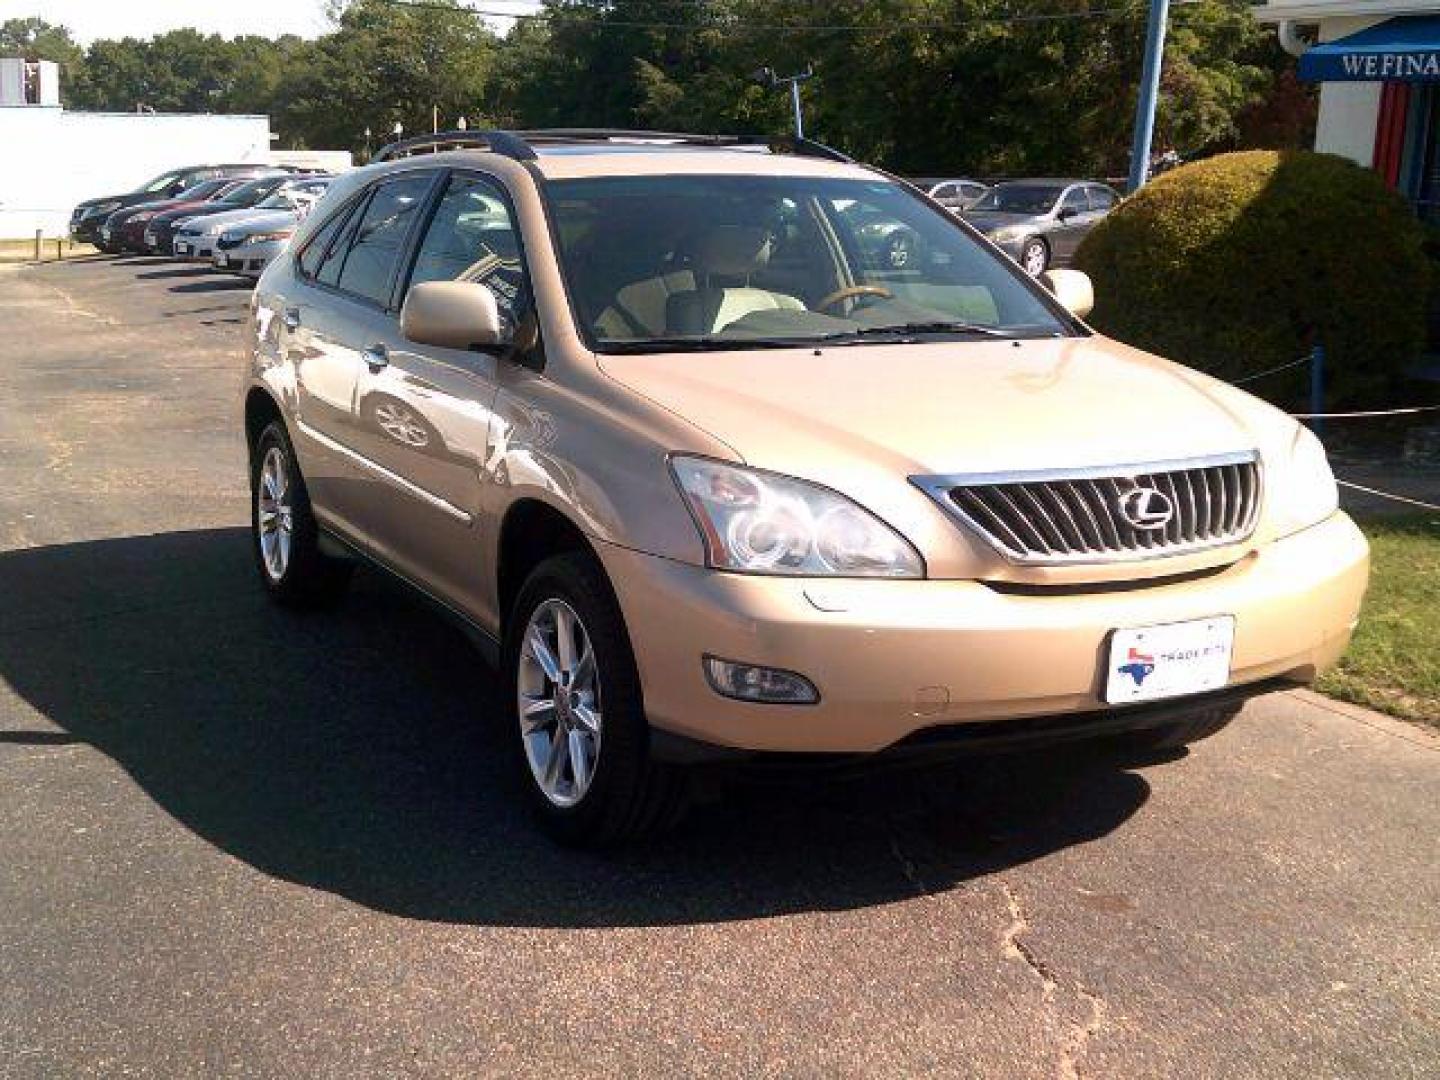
(88, 217)
(124, 230)
(160, 230)
(1040, 223)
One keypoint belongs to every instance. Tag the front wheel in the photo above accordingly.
(1035, 257)
(577, 713)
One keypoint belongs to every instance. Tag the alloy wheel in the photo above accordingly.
(558, 702)
(1034, 259)
(275, 514)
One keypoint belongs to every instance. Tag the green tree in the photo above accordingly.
(35, 39)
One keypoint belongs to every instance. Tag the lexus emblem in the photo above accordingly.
(1146, 508)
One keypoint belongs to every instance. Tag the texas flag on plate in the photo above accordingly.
(1152, 662)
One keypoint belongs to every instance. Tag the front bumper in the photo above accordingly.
(248, 260)
(895, 658)
(201, 248)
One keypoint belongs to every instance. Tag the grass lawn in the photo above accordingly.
(1394, 662)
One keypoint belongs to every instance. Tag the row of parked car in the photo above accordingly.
(1038, 223)
(235, 217)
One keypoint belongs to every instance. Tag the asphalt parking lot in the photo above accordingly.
(243, 842)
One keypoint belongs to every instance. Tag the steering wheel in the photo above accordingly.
(852, 291)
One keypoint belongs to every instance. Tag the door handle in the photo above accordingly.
(376, 356)
(291, 319)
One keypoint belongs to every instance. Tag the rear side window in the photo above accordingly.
(1101, 198)
(374, 244)
(313, 256)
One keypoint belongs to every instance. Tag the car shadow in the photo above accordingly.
(357, 752)
(223, 284)
(180, 272)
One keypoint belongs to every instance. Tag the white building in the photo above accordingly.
(1378, 65)
(52, 158)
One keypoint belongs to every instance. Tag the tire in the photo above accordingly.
(1034, 256)
(291, 565)
(1178, 734)
(594, 713)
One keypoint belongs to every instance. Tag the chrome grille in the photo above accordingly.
(1107, 515)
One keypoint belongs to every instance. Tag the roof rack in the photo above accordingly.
(520, 144)
(497, 142)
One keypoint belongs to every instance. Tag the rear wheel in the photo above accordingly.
(1182, 732)
(284, 535)
(577, 714)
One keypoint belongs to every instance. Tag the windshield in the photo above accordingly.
(1019, 199)
(202, 190)
(664, 262)
(161, 182)
(292, 193)
(252, 191)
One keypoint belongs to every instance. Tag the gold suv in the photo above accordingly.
(707, 473)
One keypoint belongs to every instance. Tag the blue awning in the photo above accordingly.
(1398, 50)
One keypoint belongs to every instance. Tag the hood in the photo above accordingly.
(124, 199)
(990, 220)
(952, 407)
(263, 221)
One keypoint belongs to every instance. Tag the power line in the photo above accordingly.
(742, 26)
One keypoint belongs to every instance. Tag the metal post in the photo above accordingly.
(59, 249)
(795, 103)
(1149, 91)
(1317, 384)
(39, 237)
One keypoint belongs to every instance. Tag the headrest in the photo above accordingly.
(732, 250)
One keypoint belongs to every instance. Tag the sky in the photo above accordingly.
(91, 19)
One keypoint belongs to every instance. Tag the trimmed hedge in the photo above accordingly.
(1238, 263)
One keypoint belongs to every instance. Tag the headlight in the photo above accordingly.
(267, 237)
(1302, 488)
(764, 523)
(1008, 234)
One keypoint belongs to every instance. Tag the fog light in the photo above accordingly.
(750, 682)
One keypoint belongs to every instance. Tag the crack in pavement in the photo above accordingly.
(1078, 1034)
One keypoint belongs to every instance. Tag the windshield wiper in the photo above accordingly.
(701, 344)
(938, 326)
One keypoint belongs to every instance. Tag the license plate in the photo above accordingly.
(222, 259)
(182, 248)
(1151, 662)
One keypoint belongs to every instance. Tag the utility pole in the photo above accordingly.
(766, 77)
(1149, 91)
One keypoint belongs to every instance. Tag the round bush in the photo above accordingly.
(1239, 263)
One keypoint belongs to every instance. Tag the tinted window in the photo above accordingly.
(1075, 200)
(1019, 198)
(472, 238)
(310, 258)
(1101, 198)
(373, 248)
(943, 191)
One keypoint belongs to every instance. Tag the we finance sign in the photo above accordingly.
(1382, 66)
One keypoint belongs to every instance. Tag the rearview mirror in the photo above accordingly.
(1072, 288)
(453, 315)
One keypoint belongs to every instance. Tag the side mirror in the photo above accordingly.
(1066, 213)
(453, 315)
(1072, 288)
